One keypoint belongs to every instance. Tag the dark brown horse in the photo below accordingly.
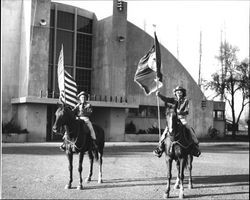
(79, 137)
(178, 147)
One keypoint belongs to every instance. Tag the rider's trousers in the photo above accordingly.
(89, 124)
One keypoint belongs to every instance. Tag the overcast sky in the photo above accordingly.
(179, 24)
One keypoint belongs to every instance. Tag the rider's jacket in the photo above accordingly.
(83, 109)
(181, 107)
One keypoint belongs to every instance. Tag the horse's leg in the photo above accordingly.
(169, 162)
(182, 167)
(91, 159)
(80, 187)
(100, 168)
(70, 159)
(190, 161)
(177, 182)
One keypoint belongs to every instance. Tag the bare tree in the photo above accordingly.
(231, 80)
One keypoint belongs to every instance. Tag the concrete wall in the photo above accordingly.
(174, 74)
(25, 39)
(101, 117)
(109, 63)
(39, 54)
(25, 63)
(34, 118)
(101, 64)
(117, 124)
(112, 120)
(11, 12)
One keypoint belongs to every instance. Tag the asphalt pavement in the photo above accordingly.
(130, 171)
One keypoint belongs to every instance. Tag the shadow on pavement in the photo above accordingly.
(233, 180)
(215, 194)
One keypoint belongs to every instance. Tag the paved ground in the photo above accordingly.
(130, 171)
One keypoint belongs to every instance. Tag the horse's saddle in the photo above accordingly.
(182, 137)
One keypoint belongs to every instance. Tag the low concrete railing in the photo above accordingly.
(141, 138)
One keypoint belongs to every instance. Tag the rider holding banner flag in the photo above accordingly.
(149, 77)
(181, 106)
(148, 74)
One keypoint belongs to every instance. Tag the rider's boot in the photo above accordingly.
(159, 149)
(63, 146)
(75, 149)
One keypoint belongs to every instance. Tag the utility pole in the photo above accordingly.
(144, 25)
(223, 59)
(222, 67)
(200, 51)
(177, 42)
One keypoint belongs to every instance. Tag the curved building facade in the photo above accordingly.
(102, 56)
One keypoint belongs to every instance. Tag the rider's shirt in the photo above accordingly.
(180, 106)
(84, 109)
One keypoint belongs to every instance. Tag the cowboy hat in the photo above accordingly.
(82, 93)
(179, 88)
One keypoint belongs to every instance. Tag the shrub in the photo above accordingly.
(130, 128)
(12, 127)
(213, 132)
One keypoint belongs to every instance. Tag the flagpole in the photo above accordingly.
(158, 107)
(157, 98)
(64, 79)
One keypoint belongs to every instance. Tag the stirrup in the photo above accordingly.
(196, 151)
(63, 147)
(157, 152)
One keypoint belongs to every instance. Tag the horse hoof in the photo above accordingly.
(79, 187)
(67, 186)
(176, 187)
(87, 180)
(166, 195)
(100, 181)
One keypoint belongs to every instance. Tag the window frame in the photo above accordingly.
(55, 8)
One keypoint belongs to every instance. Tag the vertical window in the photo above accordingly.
(76, 37)
(218, 114)
(67, 39)
(83, 50)
(84, 25)
(146, 112)
(65, 20)
(83, 80)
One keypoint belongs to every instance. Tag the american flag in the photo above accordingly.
(66, 83)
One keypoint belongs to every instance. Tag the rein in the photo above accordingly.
(179, 124)
(69, 132)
